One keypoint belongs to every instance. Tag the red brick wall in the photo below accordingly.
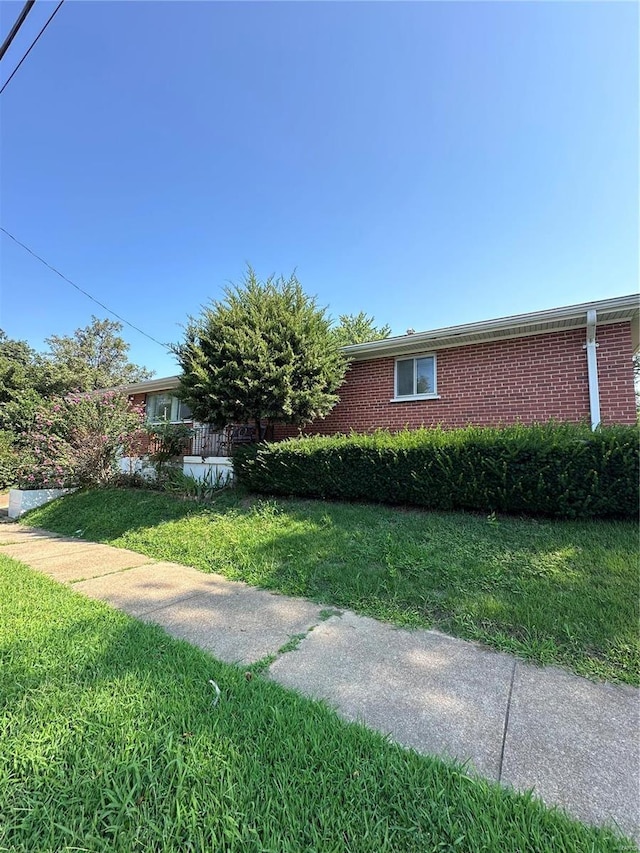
(140, 400)
(615, 372)
(524, 379)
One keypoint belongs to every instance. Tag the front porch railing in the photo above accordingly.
(209, 441)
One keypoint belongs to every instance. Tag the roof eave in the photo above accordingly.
(164, 383)
(618, 309)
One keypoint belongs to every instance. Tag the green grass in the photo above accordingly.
(562, 592)
(109, 741)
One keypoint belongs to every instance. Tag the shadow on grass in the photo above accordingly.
(111, 741)
(552, 591)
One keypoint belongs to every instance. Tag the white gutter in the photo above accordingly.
(592, 368)
(165, 383)
(616, 309)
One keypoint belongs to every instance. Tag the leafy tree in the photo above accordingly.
(16, 352)
(9, 460)
(21, 384)
(94, 357)
(358, 329)
(18, 370)
(263, 353)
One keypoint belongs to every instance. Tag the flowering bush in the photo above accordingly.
(100, 428)
(45, 463)
(76, 440)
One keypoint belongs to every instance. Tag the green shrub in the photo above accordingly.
(550, 469)
(195, 488)
(9, 460)
(167, 441)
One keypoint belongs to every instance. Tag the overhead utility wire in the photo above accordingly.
(14, 29)
(32, 45)
(88, 295)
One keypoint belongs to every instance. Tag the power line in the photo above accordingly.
(32, 45)
(3, 49)
(88, 295)
(14, 29)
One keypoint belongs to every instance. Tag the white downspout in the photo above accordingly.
(592, 369)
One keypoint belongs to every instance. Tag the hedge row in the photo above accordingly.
(562, 470)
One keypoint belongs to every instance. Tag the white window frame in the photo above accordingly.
(432, 395)
(176, 404)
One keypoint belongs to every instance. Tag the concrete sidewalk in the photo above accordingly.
(575, 742)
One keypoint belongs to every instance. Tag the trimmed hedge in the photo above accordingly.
(561, 470)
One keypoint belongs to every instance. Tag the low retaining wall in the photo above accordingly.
(217, 468)
(22, 500)
(137, 465)
(213, 468)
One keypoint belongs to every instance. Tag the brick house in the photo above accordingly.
(567, 364)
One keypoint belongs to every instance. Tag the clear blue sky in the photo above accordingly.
(429, 163)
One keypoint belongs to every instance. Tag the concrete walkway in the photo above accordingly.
(575, 742)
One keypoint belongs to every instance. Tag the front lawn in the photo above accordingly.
(110, 741)
(561, 592)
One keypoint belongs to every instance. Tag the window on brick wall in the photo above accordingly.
(163, 406)
(415, 378)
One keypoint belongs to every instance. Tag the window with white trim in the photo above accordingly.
(163, 406)
(415, 377)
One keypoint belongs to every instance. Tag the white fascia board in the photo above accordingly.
(615, 310)
(166, 383)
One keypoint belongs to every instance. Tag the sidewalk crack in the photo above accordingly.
(165, 606)
(113, 572)
(506, 720)
(260, 666)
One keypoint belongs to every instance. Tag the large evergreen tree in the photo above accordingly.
(264, 353)
(358, 329)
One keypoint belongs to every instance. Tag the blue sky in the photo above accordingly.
(428, 163)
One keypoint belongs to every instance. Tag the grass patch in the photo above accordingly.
(109, 741)
(551, 591)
